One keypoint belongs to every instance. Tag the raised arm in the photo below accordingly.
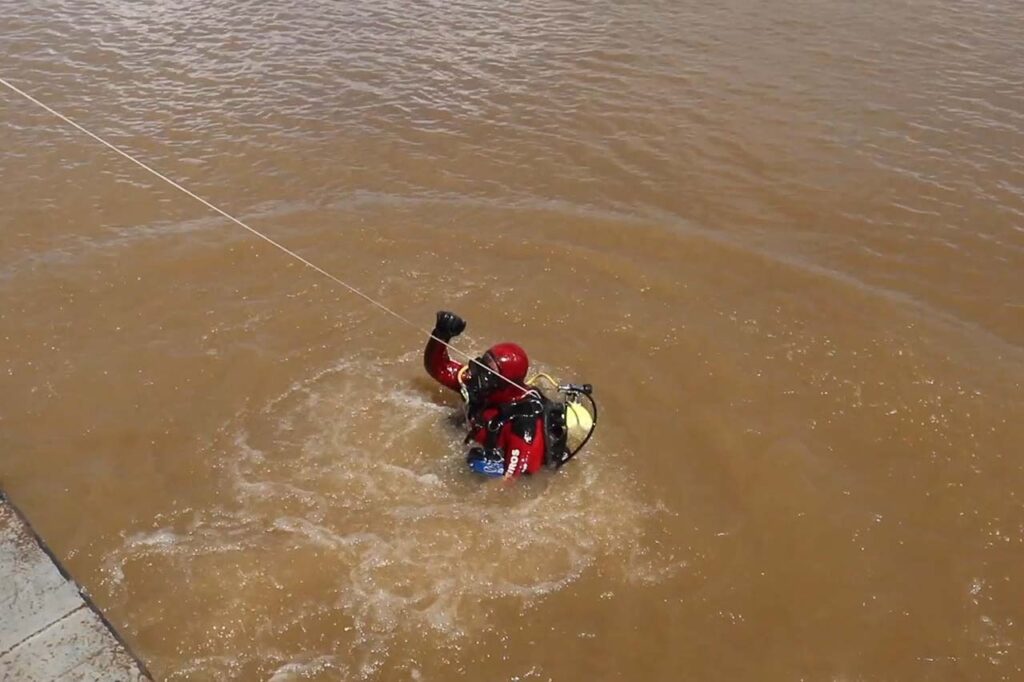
(435, 356)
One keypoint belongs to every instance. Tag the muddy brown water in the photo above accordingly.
(784, 240)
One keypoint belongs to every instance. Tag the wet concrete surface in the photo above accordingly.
(48, 631)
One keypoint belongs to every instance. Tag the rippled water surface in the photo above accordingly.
(785, 240)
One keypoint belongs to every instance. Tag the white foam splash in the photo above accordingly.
(353, 480)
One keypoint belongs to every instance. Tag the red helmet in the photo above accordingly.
(511, 361)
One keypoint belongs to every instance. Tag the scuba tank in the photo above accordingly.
(568, 423)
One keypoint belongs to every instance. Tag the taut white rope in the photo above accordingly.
(254, 231)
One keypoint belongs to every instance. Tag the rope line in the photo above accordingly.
(369, 299)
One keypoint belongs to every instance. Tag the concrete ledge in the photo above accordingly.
(49, 630)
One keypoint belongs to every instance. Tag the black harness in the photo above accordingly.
(523, 415)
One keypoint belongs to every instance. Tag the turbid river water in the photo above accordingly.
(784, 240)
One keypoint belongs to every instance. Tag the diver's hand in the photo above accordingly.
(449, 325)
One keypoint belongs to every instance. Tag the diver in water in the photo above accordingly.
(506, 417)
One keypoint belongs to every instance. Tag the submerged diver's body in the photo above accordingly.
(505, 418)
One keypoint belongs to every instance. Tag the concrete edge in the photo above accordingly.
(82, 592)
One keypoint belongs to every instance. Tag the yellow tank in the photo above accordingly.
(578, 419)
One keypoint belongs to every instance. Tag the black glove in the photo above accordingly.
(449, 325)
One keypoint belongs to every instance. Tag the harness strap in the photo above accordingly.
(529, 407)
